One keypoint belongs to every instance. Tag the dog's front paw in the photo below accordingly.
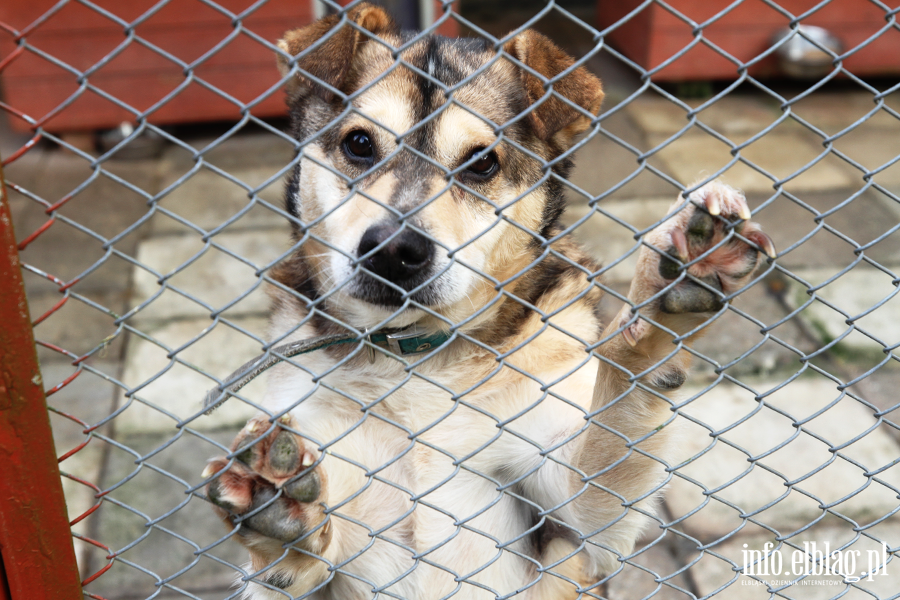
(696, 260)
(273, 486)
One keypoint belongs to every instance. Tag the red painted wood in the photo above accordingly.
(450, 27)
(137, 75)
(35, 538)
(656, 34)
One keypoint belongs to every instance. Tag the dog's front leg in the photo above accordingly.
(616, 495)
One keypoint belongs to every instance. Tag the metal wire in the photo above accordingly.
(138, 504)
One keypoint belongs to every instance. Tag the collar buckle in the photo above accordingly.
(412, 340)
(394, 339)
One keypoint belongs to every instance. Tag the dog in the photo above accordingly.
(520, 451)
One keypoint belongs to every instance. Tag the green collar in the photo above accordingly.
(410, 340)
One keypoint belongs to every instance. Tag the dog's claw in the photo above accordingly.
(629, 337)
(764, 242)
(712, 205)
(679, 242)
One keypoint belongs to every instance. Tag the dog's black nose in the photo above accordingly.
(404, 254)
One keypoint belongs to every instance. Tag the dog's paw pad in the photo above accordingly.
(272, 485)
(700, 234)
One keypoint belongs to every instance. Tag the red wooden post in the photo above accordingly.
(35, 538)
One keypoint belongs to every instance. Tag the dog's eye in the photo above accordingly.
(484, 163)
(358, 145)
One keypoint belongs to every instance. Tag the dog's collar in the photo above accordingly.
(411, 340)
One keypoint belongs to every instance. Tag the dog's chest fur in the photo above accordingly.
(413, 450)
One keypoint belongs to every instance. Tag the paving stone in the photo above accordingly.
(102, 210)
(874, 148)
(606, 239)
(780, 153)
(803, 242)
(792, 226)
(602, 163)
(150, 489)
(835, 111)
(87, 397)
(852, 294)
(207, 273)
(735, 339)
(179, 389)
(251, 146)
(27, 169)
(732, 115)
(208, 199)
(78, 326)
(738, 113)
(747, 429)
(712, 572)
(638, 577)
(880, 388)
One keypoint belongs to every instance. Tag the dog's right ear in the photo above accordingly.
(330, 61)
(554, 118)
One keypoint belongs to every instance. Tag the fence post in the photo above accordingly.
(35, 538)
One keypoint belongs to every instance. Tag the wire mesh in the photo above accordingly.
(148, 254)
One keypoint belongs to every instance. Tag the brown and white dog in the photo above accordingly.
(512, 459)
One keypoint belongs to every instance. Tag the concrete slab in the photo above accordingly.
(793, 472)
(875, 149)
(207, 273)
(602, 163)
(78, 326)
(169, 390)
(149, 489)
(781, 153)
(208, 199)
(736, 116)
(650, 574)
(805, 238)
(722, 568)
(852, 296)
(608, 240)
(87, 398)
(834, 111)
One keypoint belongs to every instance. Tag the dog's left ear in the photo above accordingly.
(332, 58)
(554, 118)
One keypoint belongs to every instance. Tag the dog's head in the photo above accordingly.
(424, 178)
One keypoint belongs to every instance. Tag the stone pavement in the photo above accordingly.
(769, 439)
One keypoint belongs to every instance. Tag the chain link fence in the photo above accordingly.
(148, 249)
